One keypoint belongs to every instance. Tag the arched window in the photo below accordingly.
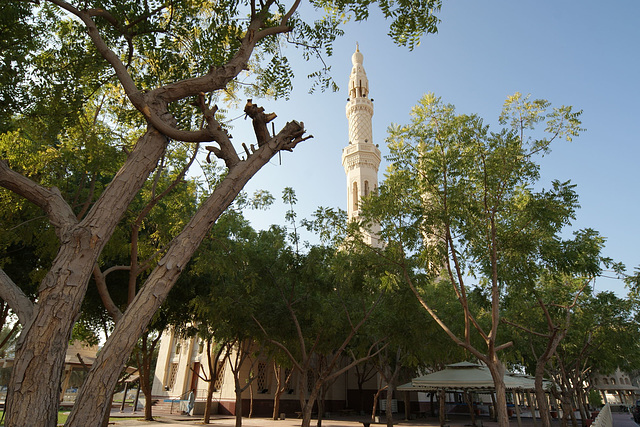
(605, 381)
(366, 188)
(613, 381)
(595, 381)
(355, 196)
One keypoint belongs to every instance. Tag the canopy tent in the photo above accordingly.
(466, 376)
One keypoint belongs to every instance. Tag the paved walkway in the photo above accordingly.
(620, 419)
(229, 421)
(623, 419)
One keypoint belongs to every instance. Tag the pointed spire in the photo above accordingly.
(358, 82)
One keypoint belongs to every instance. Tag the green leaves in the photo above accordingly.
(409, 19)
(523, 115)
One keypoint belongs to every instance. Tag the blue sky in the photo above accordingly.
(580, 53)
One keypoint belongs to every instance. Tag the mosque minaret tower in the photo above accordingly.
(361, 157)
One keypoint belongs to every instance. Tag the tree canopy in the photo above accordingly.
(110, 88)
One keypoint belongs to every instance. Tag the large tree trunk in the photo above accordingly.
(40, 352)
(104, 374)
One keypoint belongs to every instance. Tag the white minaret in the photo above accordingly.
(361, 158)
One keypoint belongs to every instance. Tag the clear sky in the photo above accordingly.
(580, 53)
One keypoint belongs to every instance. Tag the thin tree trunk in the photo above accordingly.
(307, 409)
(441, 413)
(251, 400)
(320, 409)
(276, 397)
(374, 409)
(276, 404)
(541, 398)
(494, 404)
(497, 372)
(532, 408)
(208, 404)
(389, 409)
(516, 403)
(432, 407)
(238, 403)
(467, 398)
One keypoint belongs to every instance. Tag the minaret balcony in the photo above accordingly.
(360, 146)
(359, 104)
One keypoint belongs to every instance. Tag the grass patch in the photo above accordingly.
(63, 415)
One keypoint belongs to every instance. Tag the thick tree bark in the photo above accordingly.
(43, 342)
(41, 348)
(104, 374)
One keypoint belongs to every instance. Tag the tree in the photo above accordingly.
(544, 311)
(327, 297)
(459, 204)
(412, 341)
(325, 316)
(222, 312)
(603, 337)
(137, 53)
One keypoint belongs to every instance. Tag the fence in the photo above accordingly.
(604, 418)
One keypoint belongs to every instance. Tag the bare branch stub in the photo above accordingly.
(260, 120)
(288, 137)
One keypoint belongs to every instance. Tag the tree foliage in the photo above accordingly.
(109, 88)
(460, 205)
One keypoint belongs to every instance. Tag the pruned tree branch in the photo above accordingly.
(17, 300)
(49, 200)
